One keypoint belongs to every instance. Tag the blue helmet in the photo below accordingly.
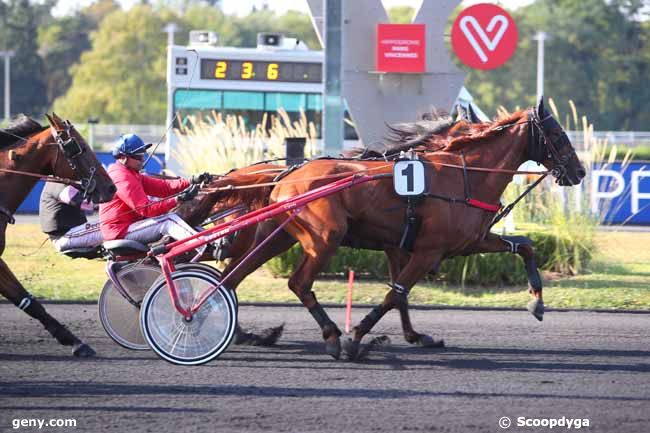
(130, 144)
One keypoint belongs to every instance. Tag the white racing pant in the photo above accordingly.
(146, 231)
(86, 235)
(152, 229)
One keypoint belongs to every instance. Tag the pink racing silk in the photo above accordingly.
(131, 202)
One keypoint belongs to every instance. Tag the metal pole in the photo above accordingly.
(7, 55)
(540, 37)
(170, 29)
(333, 102)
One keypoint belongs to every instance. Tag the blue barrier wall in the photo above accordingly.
(630, 190)
(30, 204)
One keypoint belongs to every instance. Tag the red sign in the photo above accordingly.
(484, 36)
(400, 48)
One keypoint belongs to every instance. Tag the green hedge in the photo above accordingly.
(639, 153)
(553, 253)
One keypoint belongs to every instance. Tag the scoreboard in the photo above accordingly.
(258, 70)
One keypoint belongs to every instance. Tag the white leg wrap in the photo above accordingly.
(26, 302)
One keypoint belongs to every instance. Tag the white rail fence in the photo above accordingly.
(102, 136)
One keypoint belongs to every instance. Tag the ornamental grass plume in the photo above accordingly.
(219, 143)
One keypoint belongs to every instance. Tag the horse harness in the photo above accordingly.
(72, 150)
(538, 145)
(413, 222)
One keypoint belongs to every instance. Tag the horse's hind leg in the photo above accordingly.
(397, 297)
(524, 247)
(301, 282)
(11, 288)
(279, 244)
(320, 235)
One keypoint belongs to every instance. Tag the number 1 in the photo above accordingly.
(410, 178)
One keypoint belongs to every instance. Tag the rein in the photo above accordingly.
(506, 210)
(48, 178)
(265, 184)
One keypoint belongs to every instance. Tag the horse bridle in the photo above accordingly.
(539, 144)
(72, 150)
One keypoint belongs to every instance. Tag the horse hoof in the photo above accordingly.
(83, 350)
(242, 337)
(351, 349)
(333, 348)
(270, 336)
(536, 308)
(428, 341)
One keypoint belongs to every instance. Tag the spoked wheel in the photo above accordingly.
(119, 317)
(211, 269)
(198, 340)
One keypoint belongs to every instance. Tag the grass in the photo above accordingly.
(619, 278)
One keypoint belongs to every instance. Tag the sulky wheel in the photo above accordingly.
(118, 315)
(198, 340)
(211, 269)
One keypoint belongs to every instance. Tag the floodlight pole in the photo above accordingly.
(7, 55)
(332, 68)
(170, 29)
(540, 37)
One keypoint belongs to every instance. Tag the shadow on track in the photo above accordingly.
(81, 389)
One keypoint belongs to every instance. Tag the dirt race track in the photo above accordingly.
(593, 366)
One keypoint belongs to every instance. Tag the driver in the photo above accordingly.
(132, 214)
(62, 217)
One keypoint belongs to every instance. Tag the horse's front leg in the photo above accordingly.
(11, 289)
(397, 297)
(522, 246)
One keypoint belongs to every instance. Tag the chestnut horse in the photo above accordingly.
(29, 151)
(450, 224)
(257, 183)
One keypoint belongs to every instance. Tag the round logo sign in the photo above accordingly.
(484, 36)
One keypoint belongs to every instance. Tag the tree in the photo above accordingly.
(122, 78)
(292, 24)
(200, 17)
(597, 56)
(20, 21)
(401, 14)
(64, 39)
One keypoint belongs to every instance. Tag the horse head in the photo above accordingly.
(83, 164)
(549, 145)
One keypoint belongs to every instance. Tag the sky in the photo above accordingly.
(243, 7)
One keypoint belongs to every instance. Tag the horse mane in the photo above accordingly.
(21, 126)
(255, 197)
(476, 132)
(426, 133)
(404, 136)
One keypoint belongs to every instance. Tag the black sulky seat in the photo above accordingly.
(124, 247)
(84, 253)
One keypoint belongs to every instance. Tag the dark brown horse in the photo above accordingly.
(27, 148)
(450, 226)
